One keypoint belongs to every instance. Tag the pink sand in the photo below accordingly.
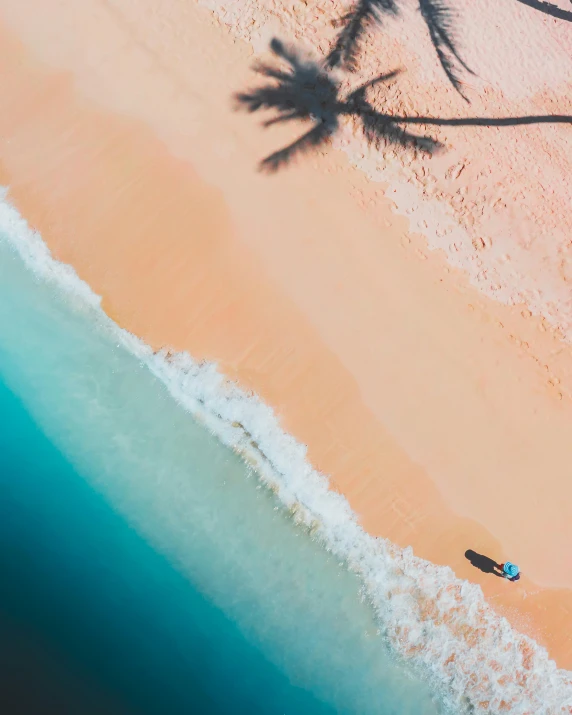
(429, 404)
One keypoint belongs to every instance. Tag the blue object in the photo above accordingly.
(511, 570)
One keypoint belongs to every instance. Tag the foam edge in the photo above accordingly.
(440, 623)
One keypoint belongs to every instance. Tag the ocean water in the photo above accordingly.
(166, 548)
(143, 558)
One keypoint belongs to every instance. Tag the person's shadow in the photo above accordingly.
(483, 563)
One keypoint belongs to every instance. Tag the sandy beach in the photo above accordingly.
(433, 387)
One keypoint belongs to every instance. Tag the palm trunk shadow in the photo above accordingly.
(484, 121)
(548, 8)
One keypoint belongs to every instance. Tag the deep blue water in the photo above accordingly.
(121, 623)
(143, 568)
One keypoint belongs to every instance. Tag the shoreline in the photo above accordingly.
(318, 387)
(499, 667)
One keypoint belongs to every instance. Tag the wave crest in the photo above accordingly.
(439, 622)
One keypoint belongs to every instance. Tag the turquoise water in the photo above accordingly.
(142, 561)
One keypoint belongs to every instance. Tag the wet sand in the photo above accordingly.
(441, 415)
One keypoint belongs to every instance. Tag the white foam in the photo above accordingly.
(439, 622)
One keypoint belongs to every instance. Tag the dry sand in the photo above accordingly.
(431, 406)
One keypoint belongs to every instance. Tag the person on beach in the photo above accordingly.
(510, 571)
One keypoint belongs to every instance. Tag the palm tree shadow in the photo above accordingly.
(307, 91)
(353, 26)
(302, 90)
(438, 18)
(548, 8)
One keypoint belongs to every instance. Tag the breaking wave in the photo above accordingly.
(440, 623)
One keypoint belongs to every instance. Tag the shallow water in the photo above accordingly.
(140, 557)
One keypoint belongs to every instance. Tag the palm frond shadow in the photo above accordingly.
(438, 18)
(548, 8)
(353, 26)
(307, 91)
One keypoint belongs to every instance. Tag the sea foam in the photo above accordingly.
(440, 623)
